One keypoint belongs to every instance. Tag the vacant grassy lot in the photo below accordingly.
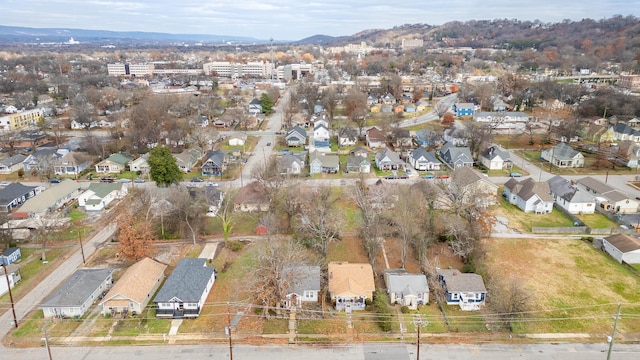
(574, 288)
(597, 221)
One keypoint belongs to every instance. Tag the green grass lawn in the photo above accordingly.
(145, 323)
(464, 321)
(597, 221)
(526, 221)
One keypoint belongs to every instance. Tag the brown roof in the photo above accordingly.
(347, 279)
(623, 242)
(253, 193)
(137, 281)
(375, 134)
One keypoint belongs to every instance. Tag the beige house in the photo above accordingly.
(134, 289)
(469, 185)
(115, 163)
(350, 284)
(607, 197)
(251, 198)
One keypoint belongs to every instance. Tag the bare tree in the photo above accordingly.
(269, 177)
(226, 216)
(330, 101)
(291, 203)
(276, 271)
(319, 221)
(406, 217)
(509, 299)
(189, 208)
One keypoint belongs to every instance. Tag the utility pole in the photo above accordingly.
(81, 248)
(13, 309)
(46, 340)
(419, 324)
(613, 333)
(229, 331)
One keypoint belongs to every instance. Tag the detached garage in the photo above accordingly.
(623, 248)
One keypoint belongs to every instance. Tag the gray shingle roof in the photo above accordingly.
(14, 191)
(457, 281)
(563, 151)
(187, 282)
(77, 288)
(15, 159)
(562, 187)
(400, 281)
(308, 278)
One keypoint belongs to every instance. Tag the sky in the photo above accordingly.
(290, 19)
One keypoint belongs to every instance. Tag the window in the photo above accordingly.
(454, 296)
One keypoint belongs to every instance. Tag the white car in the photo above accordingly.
(212, 184)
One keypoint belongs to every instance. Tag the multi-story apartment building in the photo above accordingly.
(412, 43)
(120, 69)
(238, 70)
(20, 120)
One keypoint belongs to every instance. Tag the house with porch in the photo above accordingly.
(141, 164)
(322, 163)
(255, 107)
(185, 291)
(375, 138)
(77, 293)
(49, 200)
(529, 195)
(213, 163)
(388, 160)
(563, 156)
(187, 159)
(469, 186)
(406, 289)
(290, 164)
(304, 285)
(252, 197)
(463, 109)
(133, 291)
(456, 156)
(495, 158)
(567, 196)
(358, 165)
(423, 160)
(71, 164)
(12, 164)
(296, 136)
(350, 284)
(99, 195)
(465, 290)
(116, 163)
(42, 160)
(15, 194)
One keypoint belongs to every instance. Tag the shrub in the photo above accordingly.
(235, 245)
(405, 309)
(468, 268)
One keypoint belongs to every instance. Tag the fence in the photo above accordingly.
(561, 230)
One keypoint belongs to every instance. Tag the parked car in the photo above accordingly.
(124, 181)
(445, 176)
(268, 144)
(405, 176)
(515, 174)
(55, 181)
(138, 180)
(4, 183)
(212, 184)
(428, 176)
(408, 172)
(196, 179)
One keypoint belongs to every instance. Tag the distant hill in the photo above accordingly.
(15, 34)
(319, 40)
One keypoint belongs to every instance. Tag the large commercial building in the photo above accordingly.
(20, 120)
(120, 69)
(238, 70)
(629, 81)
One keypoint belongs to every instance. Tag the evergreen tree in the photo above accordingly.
(267, 103)
(164, 170)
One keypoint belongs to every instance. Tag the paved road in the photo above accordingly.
(446, 101)
(346, 352)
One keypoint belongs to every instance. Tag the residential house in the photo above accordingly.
(498, 105)
(296, 136)
(318, 107)
(133, 291)
(255, 107)
(463, 109)
(465, 290)
(570, 198)
(200, 121)
(77, 125)
(388, 99)
(498, 119)
(422, 105)
(214, 198)
(321, 136)
(455, 136)
(140, 164)
(375, 138)
(185, 291)
(386, 108)
(213, 163)
(76, 294)
(358, 165)
(304, 285)
(598, 133)
(401, 138)
(42, 160)
(623, 248)
(360, 151)
(409, 108)
(237, 140)
(456, 156)
(12, 164)
(494, 158)
(426, 137)
(321, 163)
(350, 284)
(15, 194)
(406, 289)
(627, 153)
(290, 164)
(71, 164)
(347, 136)
(252, 197)
(607, 197)
(423, 160)
(99, 195)
(371, 100)
(10, 255)
(51, 199)
(469, 186)
(12, 275)
(388, 160)
(187, 159)
(622, 131)
(116, 163)
(398, 109)
(529, 195)
(563, 156)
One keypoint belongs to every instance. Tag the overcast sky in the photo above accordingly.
(290, 19)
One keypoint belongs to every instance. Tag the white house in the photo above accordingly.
(237, 140)
(570, 198)
(423, 160)
(607, 197)
(529, 195)
(494, 158)
(563, 156)
(13, 276)
(465, 290)
(76, 294)
(99, 195)
(304, 285)
(406, 289)
(623, 248)
(140, 164)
